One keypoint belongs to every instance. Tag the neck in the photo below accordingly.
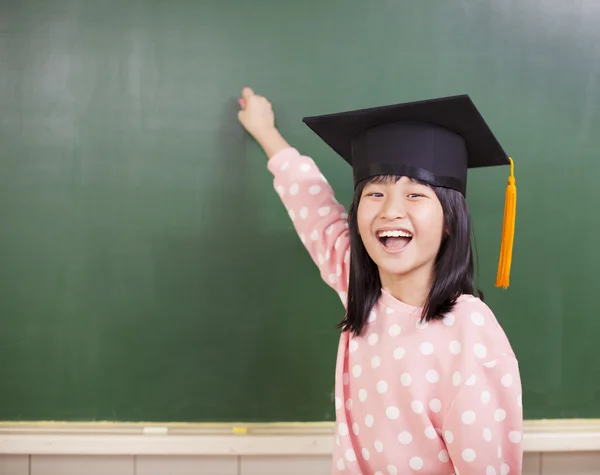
(412, 288)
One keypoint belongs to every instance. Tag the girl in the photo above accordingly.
(426, 380)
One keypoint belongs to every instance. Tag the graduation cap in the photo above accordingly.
(435, 141)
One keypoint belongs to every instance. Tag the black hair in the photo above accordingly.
(453, 268)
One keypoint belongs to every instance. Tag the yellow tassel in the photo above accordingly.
(508, 230)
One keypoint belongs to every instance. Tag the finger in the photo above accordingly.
(242, 103)
(247, 93)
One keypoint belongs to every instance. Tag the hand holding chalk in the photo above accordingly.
(256, 114)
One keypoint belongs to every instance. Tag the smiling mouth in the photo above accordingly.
(395, 240)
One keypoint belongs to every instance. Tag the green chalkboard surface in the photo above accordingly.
(148, 271)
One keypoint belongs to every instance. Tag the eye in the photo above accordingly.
(376, 194)
(415, 195)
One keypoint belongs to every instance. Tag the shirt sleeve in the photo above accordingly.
(320, 221)
(483, 427)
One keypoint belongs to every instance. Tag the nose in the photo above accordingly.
(393, 208)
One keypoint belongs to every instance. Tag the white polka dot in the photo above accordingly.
(490, 470)
(304, 213)
(487, 435)
(449, 319)
(448, 437)
(477, 319)
(399, 353)
(373, 339)
(455, 347)
(341, 465)
(421, 324)
(499, 452)
(292, 214)
(480, 350)
(332, 278)
(520, 400)
(337, 242)
(346, 256)
(302, 238)
(362, 395)
(444, 456)
(405, 379)
(285, 166)
(382, 387)
(375, 362)
(356, 371)
(405, 437)
(365, 453)
(372, 316)
(378, 473)
(430, 433)
(305, 167)
(435, 405)
(426, 348)
(280, 190)
(355, 428)
(416, 463)
(500, 415)
(379, 446)
(485, 397)
(346, 379)
(324, 210)
(327, 255)
(369, 421)
(490, 364)
(294, 189)
(329, 230)
(323, 178)
(471, 381)
(343, 429)
(389, 310)
(315, 235)
(514, 436)
(504, 469)
(392, 470)
(395, 330)
(456, 379)
(350, 455)
(507, 380)
(314, 190)
(392, 413)
(337, 440)
(468, 417)
(432, 376)
(349, 404)
(353, 346)
(417, 407)
(468, 455)
(338, 403)
(338, 270)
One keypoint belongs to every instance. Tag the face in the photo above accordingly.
(401, 224)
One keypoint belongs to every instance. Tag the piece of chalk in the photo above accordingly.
(156, 430)
(240, 430)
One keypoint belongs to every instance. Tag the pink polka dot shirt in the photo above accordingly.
(440, 398)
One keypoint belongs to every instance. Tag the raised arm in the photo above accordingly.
(320, 221)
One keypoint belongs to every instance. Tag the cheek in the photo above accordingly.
(432, 221)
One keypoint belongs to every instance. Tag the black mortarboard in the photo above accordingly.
(435, 140)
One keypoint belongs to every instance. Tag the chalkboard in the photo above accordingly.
(148, 271)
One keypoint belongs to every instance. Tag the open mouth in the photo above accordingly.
(394, 240)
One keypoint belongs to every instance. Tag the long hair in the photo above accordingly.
(453, 268)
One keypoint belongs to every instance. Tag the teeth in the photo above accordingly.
(395, 233)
